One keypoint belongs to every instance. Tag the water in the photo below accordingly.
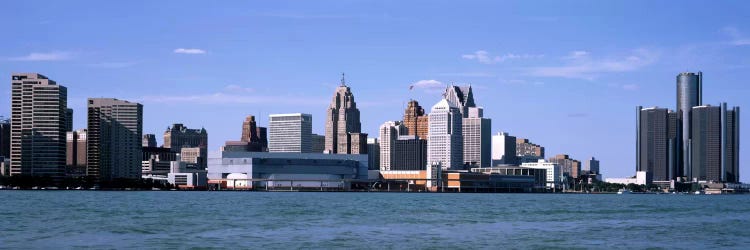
(99, 219)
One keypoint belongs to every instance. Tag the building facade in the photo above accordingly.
(476, 132)
(76, 146)
(5, 138)
(410, 153)
(445, 143)
(38, 125)
(178, 136)
(503, 149)
(415, 120)
(254, 135)
(149, 140)
(657, 141)
(461, 97)
(373, 153)
(570, 167)
(713, 154)
(389, 133)
(591, 166)
(689, 95)
(290, 133)
(554, 172)
(526, 151)
(115, 139)
(318, 143)
(342, 119)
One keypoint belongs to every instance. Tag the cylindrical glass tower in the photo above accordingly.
(689, 95)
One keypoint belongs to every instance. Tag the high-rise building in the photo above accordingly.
(254, 136)
(5, 138)
(445, 143)
(656, 145)
(732, 145)
(526, 151)
(591, 166)
(76, 145)
(115, 138)
(503, 149)
(263, 138)
(415, 120)
(389, 133)
(461, 97)
(689, 95)
(179, 136)
(290, 133)
(476, 131)
(713, 154)
(410, 153)
(68, 120)
(318, 143)
(373, 153)
(569, 166)
(149, 140)
(38, 125)
(357, 143)
(342, 118)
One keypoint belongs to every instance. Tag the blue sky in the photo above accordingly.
(566, 74)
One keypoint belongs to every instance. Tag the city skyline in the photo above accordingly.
(573, 98)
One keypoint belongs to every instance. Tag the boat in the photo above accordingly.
(623, 191)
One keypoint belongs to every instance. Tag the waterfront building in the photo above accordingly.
(76, 146)
(389, 134)
(476, 132)
(503, 149)
(526, 151)
(640, 178)
(712, 152)
(156, 161)
(410, 153)
(318, 143)
(38, 125)
(656, 146)
(415, 120)
(569, 166)
(234, 170)
(591, 166)
(445, 143)
(290, 133)
(149, 140)
(5, 138)
(373, 153)
(342, 119)
(115, 133)
(554, 173)
(689, 95)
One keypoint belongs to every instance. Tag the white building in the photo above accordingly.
(641, 178)
(554, 172)
(503, 149)
(389, 133)
(445, 144)
(290, 133)
(477, 142)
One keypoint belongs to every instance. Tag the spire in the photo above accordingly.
(343, 82)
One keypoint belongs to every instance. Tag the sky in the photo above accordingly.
(565, 74)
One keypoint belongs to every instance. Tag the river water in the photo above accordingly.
(101, 219)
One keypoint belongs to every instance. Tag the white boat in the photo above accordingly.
(623, 191)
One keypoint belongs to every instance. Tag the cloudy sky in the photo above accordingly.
(565, 74)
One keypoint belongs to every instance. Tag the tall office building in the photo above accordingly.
(689, 95)
(115, 138)
(149, 140)
(476, 131)
(461, 97)
(389, 133)
(373, 153)
(714, 143)
(318, 143)
(410, 153)
(290, 133)
(656, 144)
(445, 143)
(503, 149)
(76, 145)
(68, 120)
(591, 166)
(342, 118)
(38, 125)
(415, 120)
(357, 144)
(526, 151)
(569, 166)
(5, 138)
(255, 136)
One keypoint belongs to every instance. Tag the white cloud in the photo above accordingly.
(51, 56)
(484, 57)
(428, 85)
(585, 67)
(578, 54)
(738, 39)
(189, 51)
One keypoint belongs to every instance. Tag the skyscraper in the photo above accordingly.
(373, 153)
(149, 140)
(445, 143)
(714, 143)
(476, 131)
(656, 143)
(178, 136)
(68, 120)
(115, 138)
(357, 144)
(689, 95)
(318, 143)
(255, 136)
(503, 149)
(591, 166)
(76, 153)
(290, 133)
(342, 118)
(732, 145)
(5, 138)
(389, 133)
(410, 153)
(38, 125)
(415, 120)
